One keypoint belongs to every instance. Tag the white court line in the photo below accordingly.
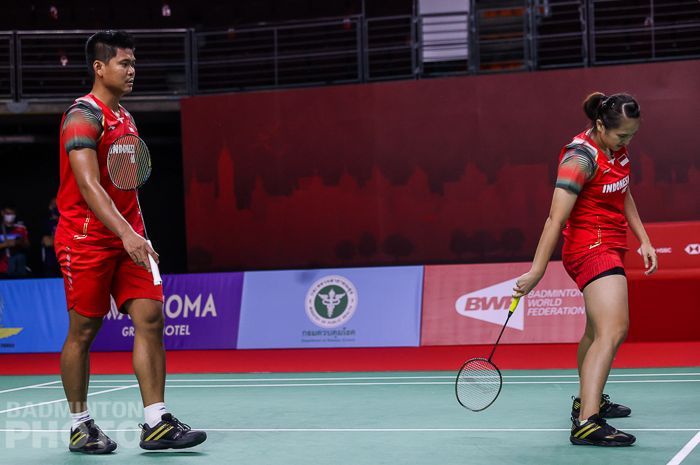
(33, 386)
(613, 381)
(176, 386)
(365, 430)
(408, 383)
(64, 399)
(369, 378)
(687, 449)
(245, 380)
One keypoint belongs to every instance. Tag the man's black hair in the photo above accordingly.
(103, 46)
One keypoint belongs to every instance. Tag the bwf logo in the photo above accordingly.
(487, 303)
(692, 249)
(491, 305)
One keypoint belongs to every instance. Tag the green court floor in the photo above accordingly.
(360, 418)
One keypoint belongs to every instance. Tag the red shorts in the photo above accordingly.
(92, 273)
(585, 265)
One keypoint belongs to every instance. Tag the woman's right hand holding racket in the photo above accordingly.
(139, 249)
(525, 283)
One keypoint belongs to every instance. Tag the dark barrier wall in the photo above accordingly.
(435, 171)
(29, 177)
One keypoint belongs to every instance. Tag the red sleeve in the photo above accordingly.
(574, 171)
(81, 129)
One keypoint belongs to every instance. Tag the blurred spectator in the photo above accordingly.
(14, 242)
(48, 254)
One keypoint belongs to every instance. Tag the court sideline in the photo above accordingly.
(363, 418)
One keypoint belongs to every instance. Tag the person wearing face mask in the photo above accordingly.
(593, 207)
(14, 241)
(48, 253)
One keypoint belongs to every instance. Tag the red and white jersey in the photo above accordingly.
(598, 217)
(89, 123)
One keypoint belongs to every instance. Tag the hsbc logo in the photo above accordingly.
(692, 249)
(491, 305)
(658, 250)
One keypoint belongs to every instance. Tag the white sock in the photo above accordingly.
(79, 418)
(153, 413)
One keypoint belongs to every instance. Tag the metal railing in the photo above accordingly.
(627, 31)
(287, 55)
(488, 37)
(561, 39)
(51, 65)
(7, 66)
(390, 48)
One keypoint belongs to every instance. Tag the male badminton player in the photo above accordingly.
(102, 252)
(593, 205)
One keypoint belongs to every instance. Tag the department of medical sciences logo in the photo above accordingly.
(6, 332)
(331, 301)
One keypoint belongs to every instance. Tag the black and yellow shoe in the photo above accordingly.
(607, 409)
(597, 432)
(169, 433)
(88, 438)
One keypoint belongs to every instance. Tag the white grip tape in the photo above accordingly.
(157, 280)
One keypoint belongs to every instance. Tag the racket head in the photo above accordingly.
(478, 384)
(128, 162)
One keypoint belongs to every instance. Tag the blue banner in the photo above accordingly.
(33, 316)
(358, 307)
(201, 312)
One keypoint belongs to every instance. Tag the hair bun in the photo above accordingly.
(592, 104)
(610, 110)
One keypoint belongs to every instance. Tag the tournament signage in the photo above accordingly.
(468, 304)
(359, 307)
(201, 312)
(331, 301)
(33, 316)
(677, 246)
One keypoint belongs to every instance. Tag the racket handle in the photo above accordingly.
(157, 280)
(513, 304)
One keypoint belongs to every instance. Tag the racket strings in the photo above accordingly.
(478, 384)
(128, 163)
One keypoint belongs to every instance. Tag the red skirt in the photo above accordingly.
(586, 264)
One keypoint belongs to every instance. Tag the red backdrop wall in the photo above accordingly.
(413, 172)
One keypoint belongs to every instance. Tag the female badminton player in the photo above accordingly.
(593, 205)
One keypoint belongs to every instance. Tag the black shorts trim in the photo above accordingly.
(612, 271)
